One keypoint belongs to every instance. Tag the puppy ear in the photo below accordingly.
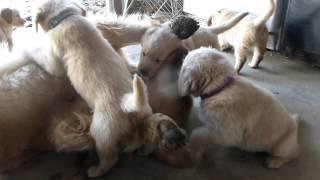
(184, 27)
(140, 94)
(187, 86)
(6, 14)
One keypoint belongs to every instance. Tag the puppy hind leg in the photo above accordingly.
(257, 56)
(106, 139)
(284, 152)
(241, 57)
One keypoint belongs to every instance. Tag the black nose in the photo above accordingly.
(144, 72)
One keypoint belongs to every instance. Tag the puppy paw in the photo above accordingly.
(94, 171)
(253, 66)
(275, 162)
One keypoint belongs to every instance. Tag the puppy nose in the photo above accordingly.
(144, 72)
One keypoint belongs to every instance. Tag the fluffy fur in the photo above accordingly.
(98, 74)
(242, 115)
(159, 42)
(124, 31)
(250, 32)
(164, 98)
(48, 120)
(33, 103)
(162, 87)
(9, 19)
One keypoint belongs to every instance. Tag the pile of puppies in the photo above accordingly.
(91, 98)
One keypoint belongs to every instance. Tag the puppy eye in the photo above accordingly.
(158, 61)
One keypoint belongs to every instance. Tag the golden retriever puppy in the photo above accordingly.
(46, 121)
(236, 112)
(9, 19)
(250, 32)
(95, 70)
(164, 98)
(162, 87)
(159, 42)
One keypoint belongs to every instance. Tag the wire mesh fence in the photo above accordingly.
(156, 8)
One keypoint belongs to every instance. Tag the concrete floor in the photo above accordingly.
(297, 86)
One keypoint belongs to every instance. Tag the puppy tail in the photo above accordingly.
(72, 134)
(137, 101)
(263, 19)
(13, 62)
(140, 95)
(229, 24)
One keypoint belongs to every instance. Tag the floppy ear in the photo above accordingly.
(184, 27)
(187, 85)
(6, 14)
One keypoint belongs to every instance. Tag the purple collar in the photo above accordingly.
(226, 82)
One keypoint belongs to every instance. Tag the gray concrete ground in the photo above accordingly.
(294, 83)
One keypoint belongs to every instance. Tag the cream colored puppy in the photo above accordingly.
(236, 112)
(9, 19)
(160, 41)
(95, 70)
(250, 32)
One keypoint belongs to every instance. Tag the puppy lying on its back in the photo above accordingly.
(9, 19)
(35, 105)
(249, 32)
(237, 113)
(97, 73)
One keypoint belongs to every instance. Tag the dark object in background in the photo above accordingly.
(301, 29)
(184, 26)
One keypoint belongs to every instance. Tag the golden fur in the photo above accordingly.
(160, 41)
(9, 19)
(98, 74)
(250, 32)
(124, 31)
(33, 106)
(242, 115)
(162, 87)
(53, 118)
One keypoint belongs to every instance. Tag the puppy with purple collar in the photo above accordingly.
(235, 112)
